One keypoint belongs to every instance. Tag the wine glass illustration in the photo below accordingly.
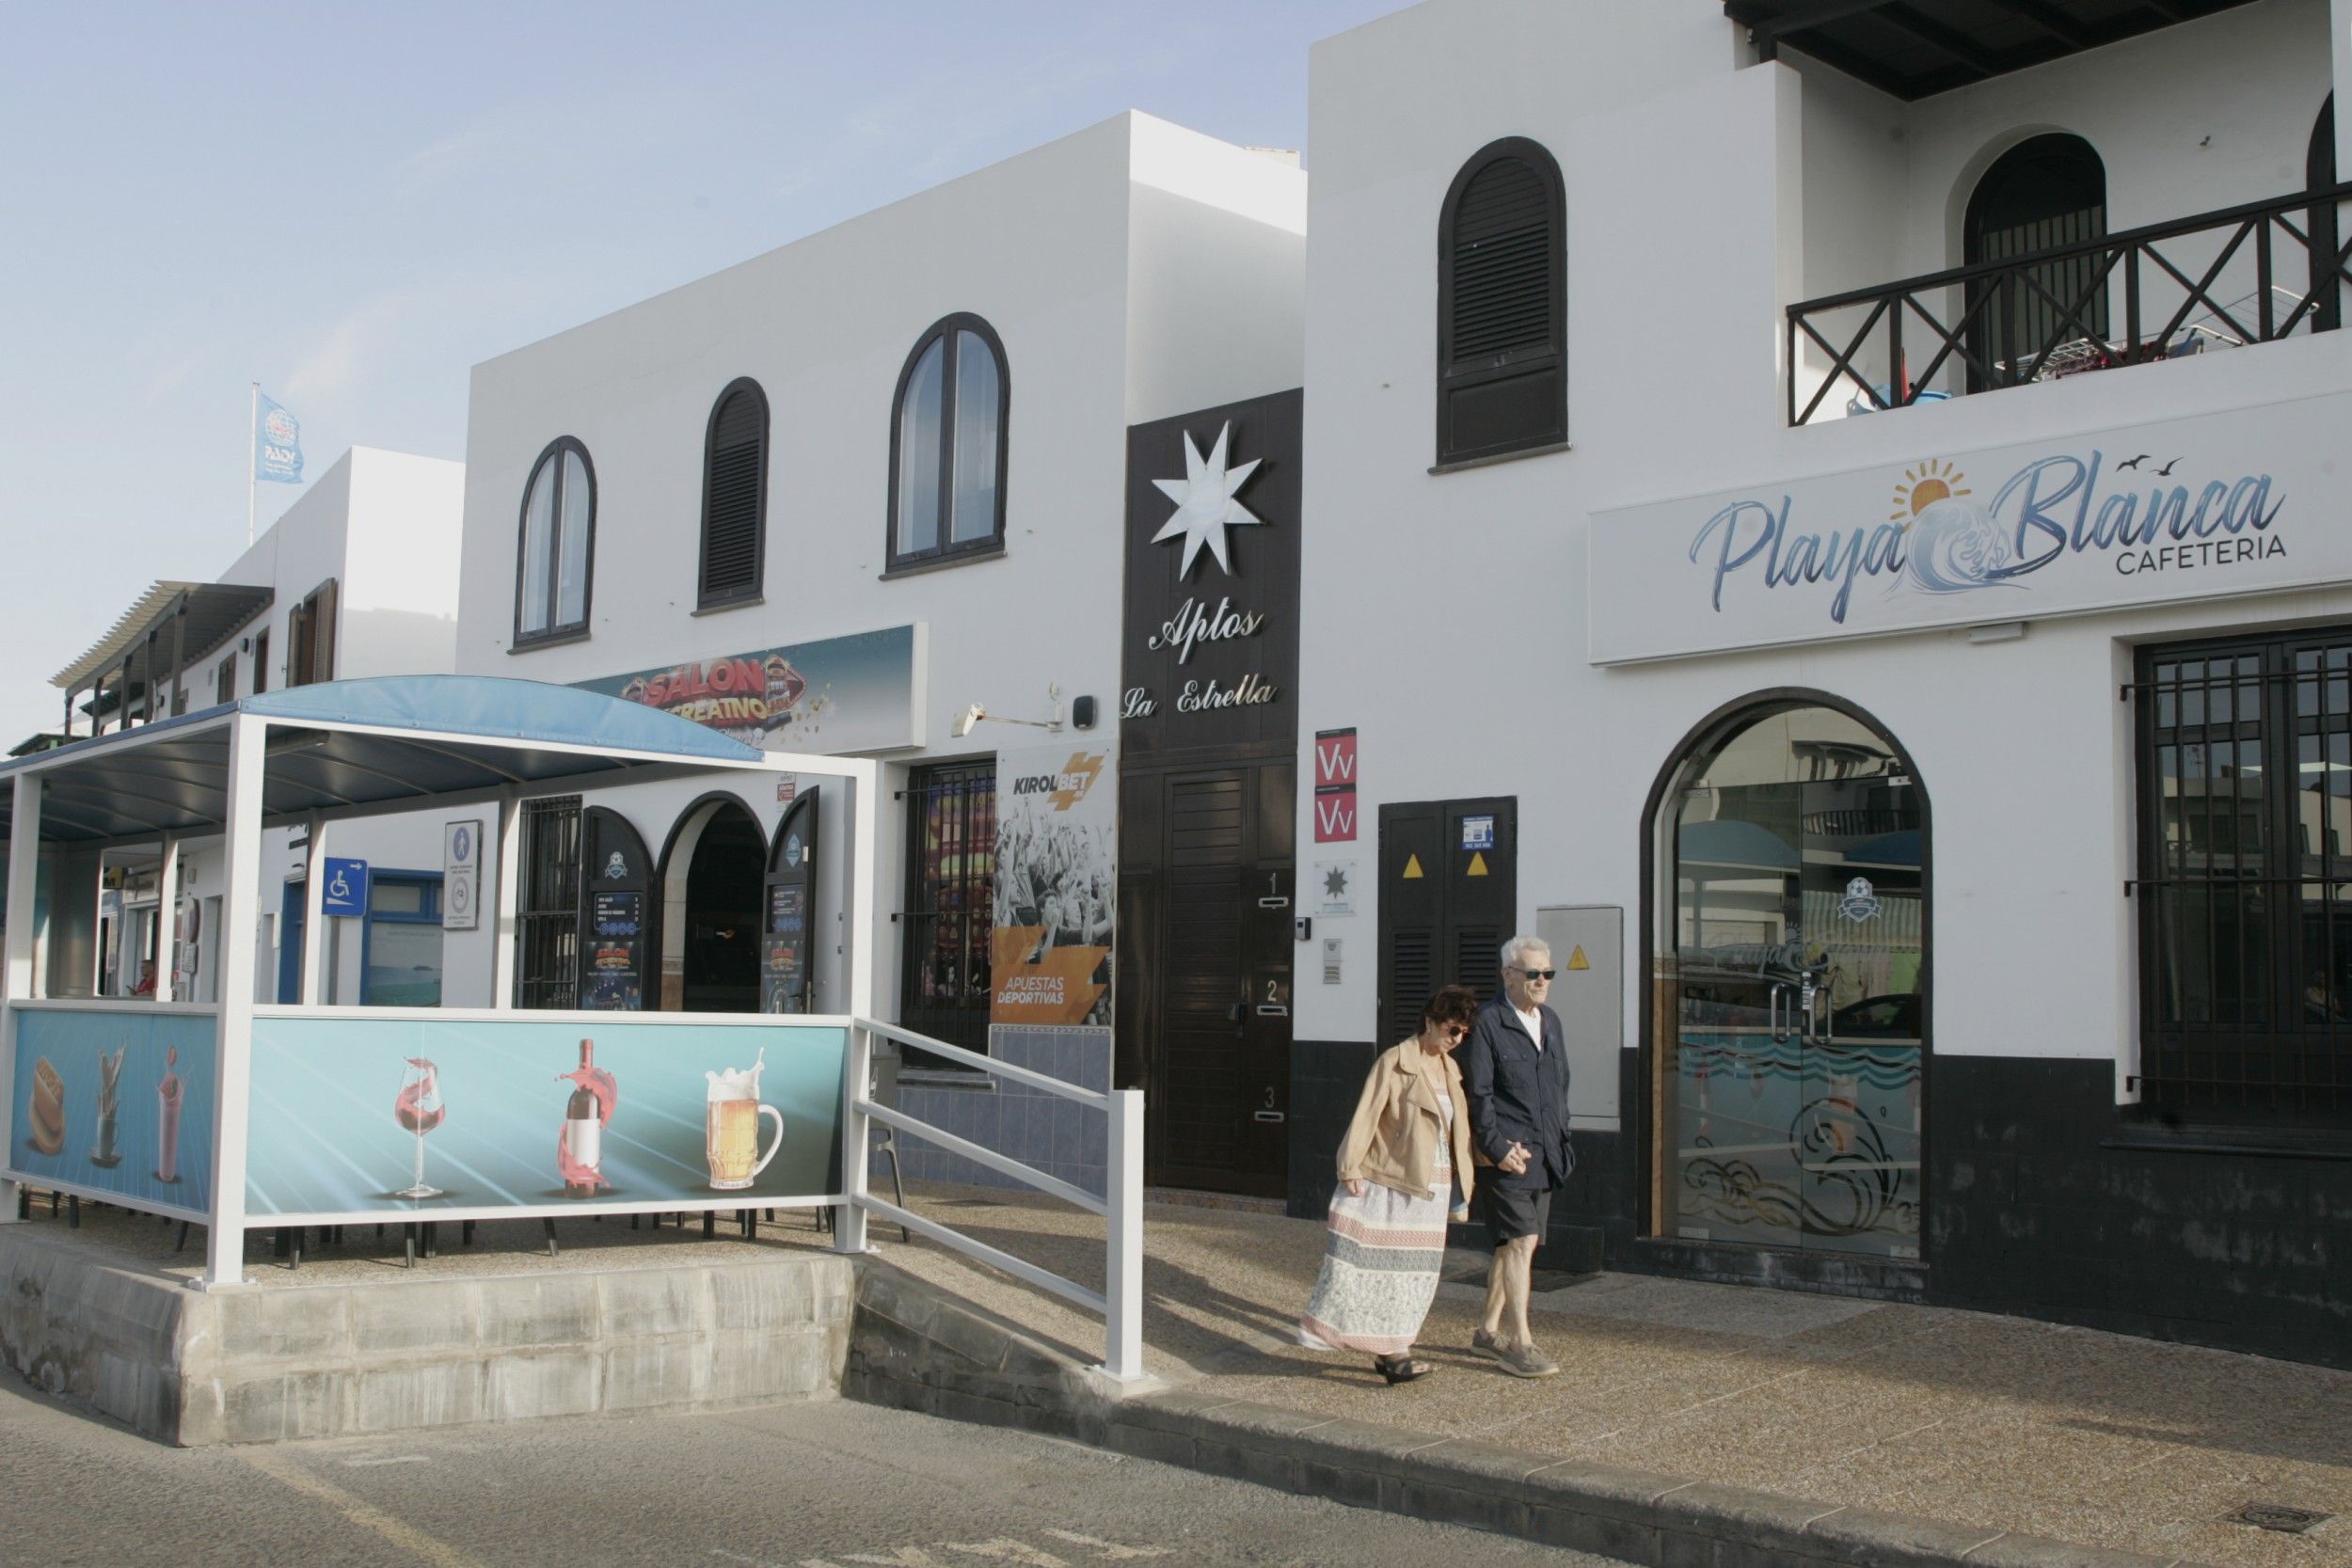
(417, 1108)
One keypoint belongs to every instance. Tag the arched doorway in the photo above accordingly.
(2049, 192)
(712, 872)
(1788, 1034)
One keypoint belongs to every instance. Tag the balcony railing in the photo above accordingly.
(2247, 274)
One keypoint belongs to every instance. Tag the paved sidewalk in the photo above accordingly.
(1972, 1419)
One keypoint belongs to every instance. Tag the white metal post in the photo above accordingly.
(509, 898)
(166, 905)
(23, 872)
(857, 1072)
(1122, 1295)
(232, 1050)
(864, 925)
(313, 915)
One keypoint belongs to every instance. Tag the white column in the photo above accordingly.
(167, 910)
(23, 869)
(1122, 1193)
(2340, 47)
(509, 896)
(864, 925)
(314, 933)
(857, 1156)
(232, 1050)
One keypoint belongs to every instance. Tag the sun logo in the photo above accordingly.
(1923, 487)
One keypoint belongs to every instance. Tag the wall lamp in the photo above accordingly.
(978, 711)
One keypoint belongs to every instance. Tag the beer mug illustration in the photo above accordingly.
(731, 1127)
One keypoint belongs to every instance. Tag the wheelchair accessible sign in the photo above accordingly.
(346, 891)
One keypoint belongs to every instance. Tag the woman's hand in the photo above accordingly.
(1354, 1185)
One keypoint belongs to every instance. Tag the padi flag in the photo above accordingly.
(277, 444)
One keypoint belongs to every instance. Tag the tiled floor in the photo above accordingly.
(2004, 1422)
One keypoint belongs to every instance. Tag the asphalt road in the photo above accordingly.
(791, 1486)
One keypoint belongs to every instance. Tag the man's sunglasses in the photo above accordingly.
(1538, 973)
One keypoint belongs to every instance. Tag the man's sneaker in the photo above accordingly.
(1485, 1343)
(1525, 1361)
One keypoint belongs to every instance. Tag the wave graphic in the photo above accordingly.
(1955, 545)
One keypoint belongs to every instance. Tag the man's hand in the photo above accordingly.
(1515, 1161)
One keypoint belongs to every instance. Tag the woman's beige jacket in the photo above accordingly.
(1393, 1141)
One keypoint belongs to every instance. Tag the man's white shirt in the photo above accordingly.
(1533, 1022)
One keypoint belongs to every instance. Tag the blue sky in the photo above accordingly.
(355, 204)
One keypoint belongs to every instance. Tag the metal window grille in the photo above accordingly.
(546, 923)
(950, 906)
(2246, 878)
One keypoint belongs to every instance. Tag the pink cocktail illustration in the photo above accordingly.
(169, 1093)
(417, 1108)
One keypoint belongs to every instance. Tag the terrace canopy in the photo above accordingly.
(152, 1102)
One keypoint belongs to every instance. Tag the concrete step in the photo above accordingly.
(252, 1364)
(915, 1348)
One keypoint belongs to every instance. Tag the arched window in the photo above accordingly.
(2042, 194)
(735, 498)
(557, 551)
(947, 445)
(1503, 305)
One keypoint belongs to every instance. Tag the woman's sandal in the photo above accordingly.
(1401, 1368)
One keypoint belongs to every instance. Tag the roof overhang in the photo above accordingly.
(357, 748)
(145, 633)
(1917, 48)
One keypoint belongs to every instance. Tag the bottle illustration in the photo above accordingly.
(731, 1115)
(579, 1146)
(103, 1151)
(170, 1093)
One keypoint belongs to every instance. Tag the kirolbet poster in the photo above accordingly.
(427, 1116)
(1057, 825)
(122, 1101)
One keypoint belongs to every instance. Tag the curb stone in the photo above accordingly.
(932, 1356)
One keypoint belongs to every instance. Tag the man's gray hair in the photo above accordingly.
(1518, 947)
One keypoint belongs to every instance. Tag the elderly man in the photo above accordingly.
(1514, 1073)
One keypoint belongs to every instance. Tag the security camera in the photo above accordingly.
(968, 717)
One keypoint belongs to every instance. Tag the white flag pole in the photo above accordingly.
(252, 444)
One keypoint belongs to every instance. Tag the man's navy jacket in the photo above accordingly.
(1519, 1095)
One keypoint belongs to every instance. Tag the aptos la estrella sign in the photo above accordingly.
(2238, 503)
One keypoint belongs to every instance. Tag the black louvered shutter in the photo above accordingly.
(1501, 262)
(732, 497)
(1412, 915)
(1501, 378)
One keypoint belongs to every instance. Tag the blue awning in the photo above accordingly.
(361, 744)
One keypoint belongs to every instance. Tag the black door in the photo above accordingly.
(1209, 920)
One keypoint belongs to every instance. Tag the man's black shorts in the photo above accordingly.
(1511, 1213)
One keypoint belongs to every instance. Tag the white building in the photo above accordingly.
(1843, 710)
(356, 579)
(726, 501)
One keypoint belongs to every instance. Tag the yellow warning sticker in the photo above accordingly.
(1578, 961)
(1412, 867)
(1477, 864)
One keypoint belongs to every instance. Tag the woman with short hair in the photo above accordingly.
(1407, 1145)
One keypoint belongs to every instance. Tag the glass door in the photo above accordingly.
(1790, 1005)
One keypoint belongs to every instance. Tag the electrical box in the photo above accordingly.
(1587, 943)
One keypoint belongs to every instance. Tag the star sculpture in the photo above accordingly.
(1206, 507)
(1335, 883)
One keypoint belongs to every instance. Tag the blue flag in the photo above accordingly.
(277, 444)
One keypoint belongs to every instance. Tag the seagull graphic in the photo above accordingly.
(2167, 469)
(2135, 462)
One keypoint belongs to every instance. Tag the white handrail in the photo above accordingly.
(1121, 1303)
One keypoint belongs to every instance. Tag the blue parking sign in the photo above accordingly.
(346, 891)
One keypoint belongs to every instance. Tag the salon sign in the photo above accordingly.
(2238, 503)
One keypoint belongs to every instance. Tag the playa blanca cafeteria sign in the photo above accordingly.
(2236, 502)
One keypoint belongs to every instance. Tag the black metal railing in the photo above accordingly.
(2246, 274)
